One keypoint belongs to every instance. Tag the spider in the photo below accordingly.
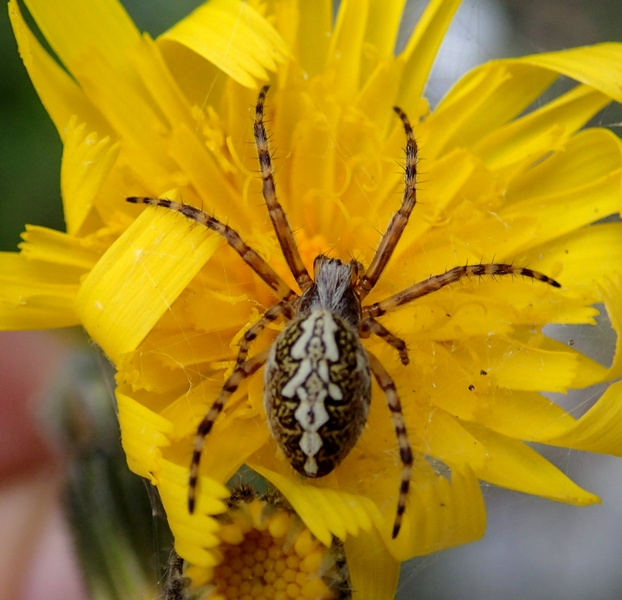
(317, 382)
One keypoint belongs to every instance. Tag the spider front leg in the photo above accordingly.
(232, 237)
(436, 282)
(387, 385)
(400, 219)
(277, 215)
(240, 373)
(272, 314)
(370, 325)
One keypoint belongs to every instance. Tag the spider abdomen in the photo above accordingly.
(317, 392)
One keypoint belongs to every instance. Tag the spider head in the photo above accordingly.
(332, 289)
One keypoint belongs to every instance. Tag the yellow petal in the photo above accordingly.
(377, 95)
(383, 24)
(565, 211)
(421, 50)
(526, 416)
(588, 156)
(483, 100)
(86, 163)
(48, 245)
(541, 130)
(230, 315)
(442, 511)
(520, 366)
(233, 36)
(58, 92)
(143, 371)
(74, 28)
(94, 43)
(448, 178)
(194, 534)
(36, 294)
(324, 511)
(515, 466)
(38, 313)
(587, 372)
(599, 429)
(198, 79)
(588, 255)
(531, 310)
(374, 573)
(226, 448)
(599, 66)
(143, 433)
(168, 357)
(121, 97)
(230, 445)
(442, 437)
(491, 95)
(131, 287)
(444, 380)
(149, 64)
(315, 34)
(203, 173)
(345, 46)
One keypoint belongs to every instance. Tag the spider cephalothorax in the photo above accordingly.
(318, 373)
(333, 290)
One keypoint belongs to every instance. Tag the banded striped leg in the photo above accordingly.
(436, 282)
(239, 374)
(271, 315)
(370, 325)
(406, 456)
(400, 219)
(248, 255)
(277, 215)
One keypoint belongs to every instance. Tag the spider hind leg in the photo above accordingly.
(240, 373)
(387, 385)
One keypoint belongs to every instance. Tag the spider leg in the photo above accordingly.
(370, 325)
(239, 374)
(393, 401)
(277, 215)
(232, 237)
(436, 282)
(271, 315)
(399, 220)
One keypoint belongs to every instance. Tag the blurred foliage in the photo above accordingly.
(119, 527)
(30, 150)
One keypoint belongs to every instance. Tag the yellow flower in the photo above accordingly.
(168, 301)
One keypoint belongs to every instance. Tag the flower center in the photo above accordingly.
(268, 560)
